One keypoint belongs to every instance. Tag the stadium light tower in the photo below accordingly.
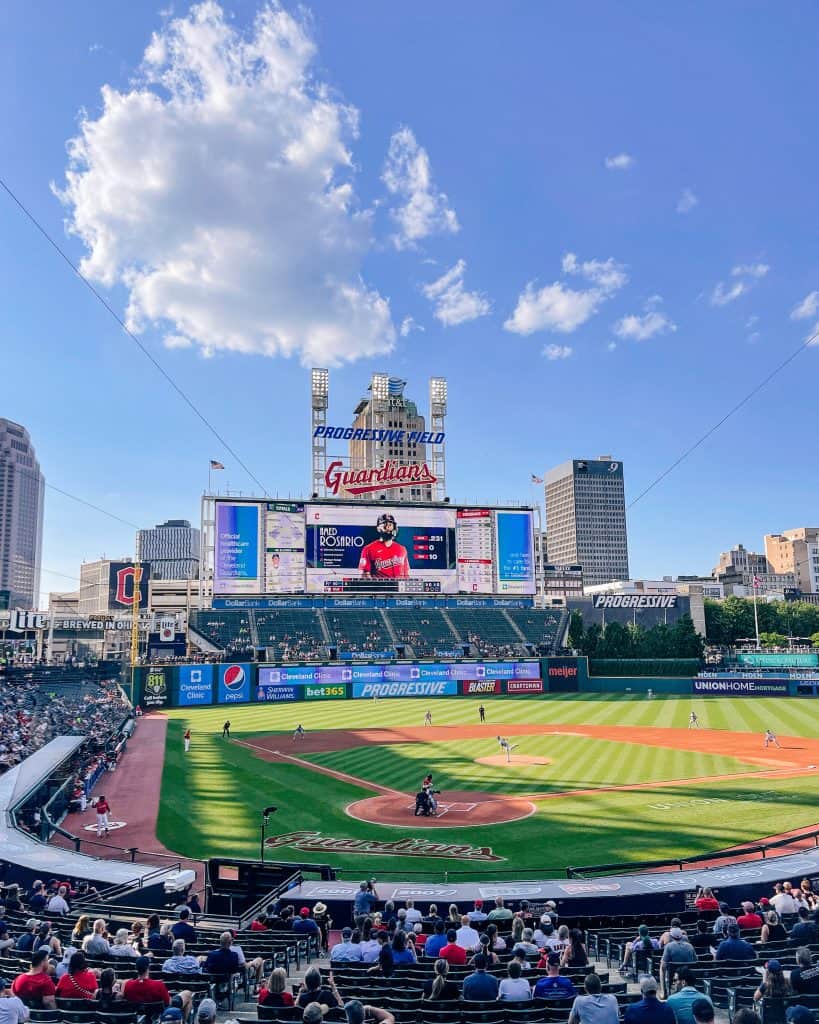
(320, 397)
(438, 393)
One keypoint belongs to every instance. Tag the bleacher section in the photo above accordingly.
(487, 630)
(541, 627)
(424, 630)
(229, 630)
(294, 634)
(360, 629)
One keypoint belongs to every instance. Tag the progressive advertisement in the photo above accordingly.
(515, 553)
(390, 549)
(236, 563)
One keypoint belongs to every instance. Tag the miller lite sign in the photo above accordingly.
(123, 580)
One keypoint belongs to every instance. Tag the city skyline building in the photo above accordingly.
(22, 493)
(796, 551)
(586, 518)
(172, 548)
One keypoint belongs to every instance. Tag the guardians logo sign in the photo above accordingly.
(312, 842)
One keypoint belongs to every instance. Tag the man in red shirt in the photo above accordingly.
(143, 989)
(385, 558)
(35, 987)
(452, 952)
(749, 918)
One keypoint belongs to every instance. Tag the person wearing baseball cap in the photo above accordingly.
(733, 947)
(649, 1010)
(143, 989)
(12, 1009)
(35, 985)
(304, 924)
(799, 1014)
(206, 1014)
(554, 985)
(477, 915)
(774, 983)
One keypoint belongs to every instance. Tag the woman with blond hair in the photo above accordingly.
(274, 991)
(440, 987)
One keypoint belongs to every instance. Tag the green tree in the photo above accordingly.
(576, 630)
(685, 640)
(615, 642)
(591, 640)
(814, 639)
(773, 639)
(656, 642)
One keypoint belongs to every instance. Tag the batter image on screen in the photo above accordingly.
(385, 558)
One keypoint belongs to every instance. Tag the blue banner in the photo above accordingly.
(372, 602)
(234, 684)
(741, 687)
(365, 655)
(302, 675)
(277, 693)
(195, 685)
(414, 689)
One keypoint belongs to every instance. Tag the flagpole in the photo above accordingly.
(756, 619)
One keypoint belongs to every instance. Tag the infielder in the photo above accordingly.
(299, 733)
(770, 737)
(103, 810)
(693, 721)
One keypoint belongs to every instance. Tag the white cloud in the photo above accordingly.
(176, 341)
(452, 303)
(218, 190)
(751, 322)
(808, 307)
(556, 307)
(408, 176)
(408, 325)
(641, 328)
(620, 162)
(747, 273)
(756, 270)
(687, 201)
(557, 351)
(612, 345)
(812, 331)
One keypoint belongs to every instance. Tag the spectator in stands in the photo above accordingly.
(432, 917)
(436, 941)
(402, 951)
(514, 988)
(345, 951)
(143, 988)
(649, 1010)
(366, 898)
(223, 959)
(253, 968)
(477, 915)
(795, 1014)
(773, 930)
(274, 991)
(259, 923)
(527, 942)
(805, 976)
(369, 943)
(358, 1013)
(545, 935)
(35, 987)
(12, 899)
(82, 928)
(774, 983)
(748, 920)
(58, 904)
(804, 932)
(466, 935)
(684, 996)
(554, 985)
(677, 951)
(439, 987)
(206, 1013)
(413, 915)
(499, 912)
(96, 944)
(454, 954)
(706, 900)
(48, 940)
(313, 991)
(596, 1006)
(37, 899)
(492, 958)
(480, 986)
(305, 924)
(575, 955)
(782, 900)
(183, 929)
(642, 943)
(562, 940)
(496, 941)
(181, 962)
(734, 948)
(12, 1009)
(722, 922)
(517, 929)
(385, 964)
(454, 916)
(122, 946)
(702, 1011)
(702, 940)
(78, 982)
(25, 942)
(6, 940)
(109, 991)
(807, 892)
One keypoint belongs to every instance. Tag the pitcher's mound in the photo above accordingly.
(460, 809)
(499, 760)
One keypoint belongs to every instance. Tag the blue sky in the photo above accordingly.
(631, 190)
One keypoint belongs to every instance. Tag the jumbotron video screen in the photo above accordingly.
(338, 548)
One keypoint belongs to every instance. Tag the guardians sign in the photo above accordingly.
(312, 842)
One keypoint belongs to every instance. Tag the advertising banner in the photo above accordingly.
(123, 577)
(481, 687)
(795, 660)
(283, 548)
(741, 687)
(415, 689)
(195, 685)
(156, 687)
(515, 569)
(564, 675)
(325, 692)
(524, 686)
(236, 556)
(234, 683)
(354, 549)
(277, 692)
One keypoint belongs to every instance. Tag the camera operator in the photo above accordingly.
(366, 898)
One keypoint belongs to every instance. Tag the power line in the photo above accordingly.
(101, 299)
(743, 401)
(88, 504)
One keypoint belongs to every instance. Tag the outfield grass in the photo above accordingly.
(212, 797)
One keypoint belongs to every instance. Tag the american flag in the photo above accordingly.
(757, 583)
(216, 465)
(537, 479)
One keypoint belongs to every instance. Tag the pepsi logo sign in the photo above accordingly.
(234, 677)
